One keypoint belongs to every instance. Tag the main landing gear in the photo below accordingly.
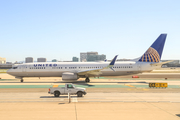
(22, 80)
(87, 80)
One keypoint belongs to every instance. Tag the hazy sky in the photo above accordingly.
(61, 29)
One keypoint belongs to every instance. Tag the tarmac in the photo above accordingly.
(89, 111)
(107, 98)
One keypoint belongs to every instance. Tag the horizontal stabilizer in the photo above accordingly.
(161, 63)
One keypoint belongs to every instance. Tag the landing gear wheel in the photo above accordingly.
(79, 94)
(56, 94)
(22, 80)
(87, 80)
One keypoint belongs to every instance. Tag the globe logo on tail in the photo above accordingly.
(151, 55)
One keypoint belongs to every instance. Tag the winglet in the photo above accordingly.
(113, 60)
(97, 70)
(112, 63)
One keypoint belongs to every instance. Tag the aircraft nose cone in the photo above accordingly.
(8, 71)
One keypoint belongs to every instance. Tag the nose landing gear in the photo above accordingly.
(87, 80)
(20, 78)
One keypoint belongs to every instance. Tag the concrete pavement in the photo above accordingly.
(89, 111)
(109, 98)
(91, 97)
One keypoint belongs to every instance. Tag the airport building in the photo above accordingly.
(6, 66)
(83, 57)
(54, 60)
(66, 61)
(92, 53)
(174, 63)
(123, 59)
(96, 58)
(75, 59)
(91, 56)
(41, 60)
(2, 60)
(29, 60)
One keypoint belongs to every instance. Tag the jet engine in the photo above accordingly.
(69, 76)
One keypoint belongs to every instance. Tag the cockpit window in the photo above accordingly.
(14, 68)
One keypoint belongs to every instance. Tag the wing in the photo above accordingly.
(98, 70)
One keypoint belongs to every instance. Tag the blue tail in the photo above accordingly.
(153, 54)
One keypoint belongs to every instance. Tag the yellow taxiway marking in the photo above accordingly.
(138, 89)
(129, 85)
(145, 89)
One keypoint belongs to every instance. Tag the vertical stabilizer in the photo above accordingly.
(154, 53)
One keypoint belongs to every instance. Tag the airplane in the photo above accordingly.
(72, 71)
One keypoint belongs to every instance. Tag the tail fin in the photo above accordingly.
(153, 54)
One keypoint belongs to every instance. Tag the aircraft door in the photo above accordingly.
(139, 67)
(24, 68)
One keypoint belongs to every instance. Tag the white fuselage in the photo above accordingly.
(56, 69)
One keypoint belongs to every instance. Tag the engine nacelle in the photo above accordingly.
(69, 76)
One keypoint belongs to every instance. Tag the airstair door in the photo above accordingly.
(139, 67)
(24, 68)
